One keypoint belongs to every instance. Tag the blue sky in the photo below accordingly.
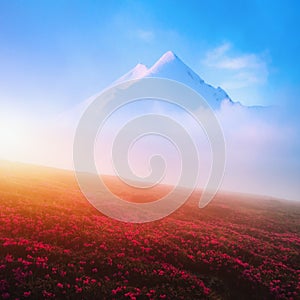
(55, 54)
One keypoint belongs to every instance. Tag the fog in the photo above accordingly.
(262, 146)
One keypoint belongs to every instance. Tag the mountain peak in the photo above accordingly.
(168, 56)
(140, 68)
(139, 71)
(170, 66)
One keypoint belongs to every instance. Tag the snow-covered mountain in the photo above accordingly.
(170, 66)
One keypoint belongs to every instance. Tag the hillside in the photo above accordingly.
(54, 244)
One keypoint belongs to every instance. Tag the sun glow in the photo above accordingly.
(14, 134)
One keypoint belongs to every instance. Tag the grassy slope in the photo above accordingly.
(55, 244)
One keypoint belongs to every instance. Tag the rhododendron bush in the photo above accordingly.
(54, 244)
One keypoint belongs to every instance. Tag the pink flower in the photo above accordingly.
(60, 285)
(9, 258)
(48, 294)
(27, 294)
(78, 289)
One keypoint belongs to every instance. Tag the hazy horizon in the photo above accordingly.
(50, 70)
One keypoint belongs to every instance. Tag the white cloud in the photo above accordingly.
(145, 35)
(239, 70)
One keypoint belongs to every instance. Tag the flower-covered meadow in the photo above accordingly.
(54, 244)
